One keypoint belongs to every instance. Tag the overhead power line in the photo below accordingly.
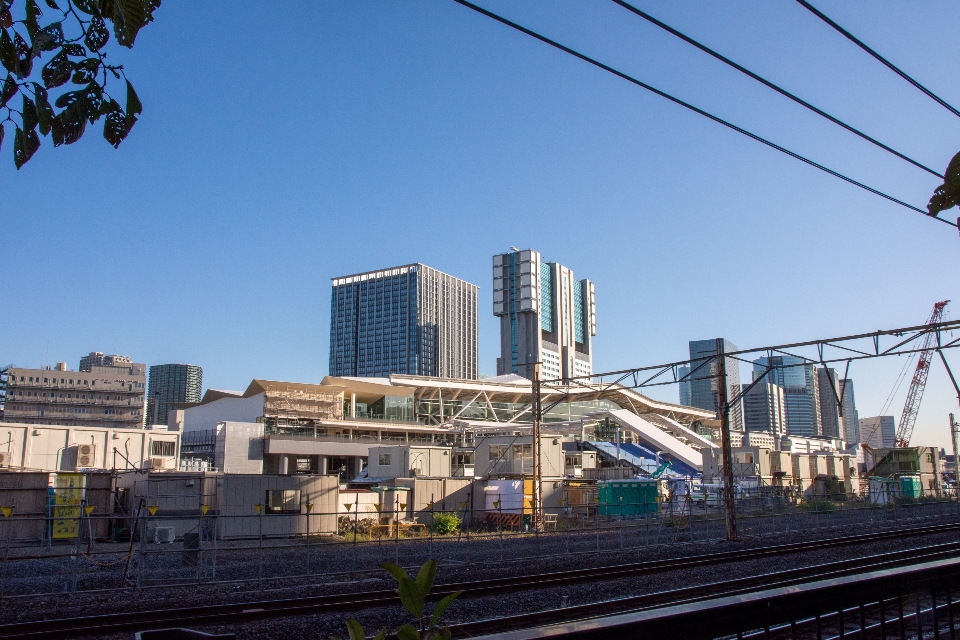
(876, 55)
(767, 83)
(687, 105)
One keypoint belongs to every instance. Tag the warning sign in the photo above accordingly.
(67, 497)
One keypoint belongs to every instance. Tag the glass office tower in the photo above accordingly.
(704, 390)
(411, 320)
(801, 396)
(169, 384)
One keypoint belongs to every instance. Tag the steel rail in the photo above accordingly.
(685, 595)
(248, 611)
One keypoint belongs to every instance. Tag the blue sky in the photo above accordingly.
(279, 148)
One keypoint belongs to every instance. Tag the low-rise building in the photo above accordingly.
(101, 395)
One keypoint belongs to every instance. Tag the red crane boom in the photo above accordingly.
(915, 394)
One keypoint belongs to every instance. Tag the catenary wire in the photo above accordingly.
(876, 55)
(689, 106)
(767, 83)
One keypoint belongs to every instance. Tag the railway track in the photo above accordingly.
(250, 611)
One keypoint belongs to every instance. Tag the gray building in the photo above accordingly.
(801, 395)
(763, 409)
(878, 432)
(704, 390)
(851, 420)
(828, 388)
(410, 320)
(99, 359)
(103, 396)
(685, 395)
(170, 384)
(546, 315)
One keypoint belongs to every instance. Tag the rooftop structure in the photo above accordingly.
(98, 359)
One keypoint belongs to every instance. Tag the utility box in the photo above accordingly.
(628, 497)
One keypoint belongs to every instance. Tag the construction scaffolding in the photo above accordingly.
(298, 404)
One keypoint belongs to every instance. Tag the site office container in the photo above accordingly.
(628, 497)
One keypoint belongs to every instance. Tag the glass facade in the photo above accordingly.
(169, 384)
(409, 320)
(704, 392)
(801, 398)
(546, 295)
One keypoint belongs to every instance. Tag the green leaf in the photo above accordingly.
(30, 117)
(8, 53)
(947, 195)
(115, 128)
(411, 597)
(382, 634)
(134, 107)
(52, 5)
(85, 71)
(73, 49)
(395, 570)
(25, 144)
(33, 12)
(128, 18)
(24, 51)
(356, 630)
(408, 632)
(426, 576)
(442, 607)
(44, 110)
(57, 71)
(9, 90)
(97, 34)
(1, 136)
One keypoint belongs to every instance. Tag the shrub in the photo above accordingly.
(446, 523)
(350, 525)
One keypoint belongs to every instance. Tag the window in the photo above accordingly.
(283, 501)
(498, 451)
(168, 449)
(384, 460)
(523, 452)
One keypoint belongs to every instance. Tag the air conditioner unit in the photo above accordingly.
(4, 459)
(86, 455)
(159, 462)
(164, 535)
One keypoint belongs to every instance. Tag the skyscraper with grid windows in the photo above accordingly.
(411, 320)
(169, 384)
(546, 315)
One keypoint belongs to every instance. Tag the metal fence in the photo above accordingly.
(88, 552)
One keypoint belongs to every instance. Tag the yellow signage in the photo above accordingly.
(204, 508)
(67, 497)
(463, 505)
(403, 505)
(346, 505)
(310, 507)
(88, 510)
(258, 507)
(6, 511)
(153, 508)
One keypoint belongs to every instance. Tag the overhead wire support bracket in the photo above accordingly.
(771, 85)
(697, 110)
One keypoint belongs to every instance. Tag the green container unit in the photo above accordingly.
(910, 487)
(628, 497)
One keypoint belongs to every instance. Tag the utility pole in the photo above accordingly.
(537, 515)
(728, 498)
(954, 426)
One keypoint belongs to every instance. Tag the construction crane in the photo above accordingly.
(912, 406)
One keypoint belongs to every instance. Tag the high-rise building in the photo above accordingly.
(104, 395)
(851, 420)
(99, 359)
(546, 315)
(411, 319)
(801, 396)
(685, 395)
(828, 388)
(763, 408)
(170, 384)
(878, 432)
(704, 390)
